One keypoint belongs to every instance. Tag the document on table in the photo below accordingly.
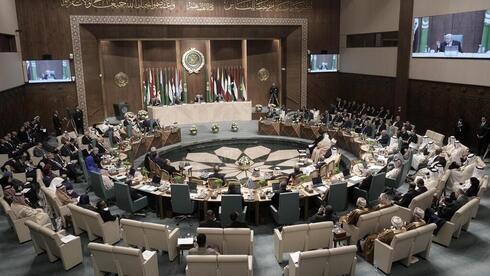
(185, 241)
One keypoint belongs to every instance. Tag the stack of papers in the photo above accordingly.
(68, 238)
(148, 188)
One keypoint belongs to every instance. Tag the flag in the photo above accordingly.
(169, 87)
(161, 87)
(181, 88)
(229, 86)
(146, 89)
(223, 87)
(243, 89)
(235, 86)
(184, 90)
(215, 89)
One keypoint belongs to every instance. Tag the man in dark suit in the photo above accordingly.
(384, 138)
(421, 186)
(169, 168)
(57, 123)
(447, 211)
(211, 221)
(448, 42)
(235, 223)
(78, 118)
(366, 182)
(234, 189)
(408, 196)
(482, 135)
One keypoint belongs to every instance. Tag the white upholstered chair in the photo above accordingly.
(91, 222)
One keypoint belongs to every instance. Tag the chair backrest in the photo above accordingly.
(436, 137)
(103, 257)
(156, 235)
(52, 240)
(377, 186)
(237, 241)
(133, 233)
(36, 236)
(341, 260)
(164, 175)
(319, 235)
(87, 219)
(129, 260)
(97, 184)
(423, 201)
(236, 265)
(202, 265)
(367, 223)
(483, 187)
(3, 159)
(123, 196)
(294, 237)
(402, 244)
(423, 238)
(313, 262)
(52, 201)
(464, 214)
(181, 199)
(230, 204)
(214, 237)
(81, 160)
(337, 196)
(289, 207)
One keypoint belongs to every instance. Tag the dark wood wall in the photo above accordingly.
(262, 54)
(120, 56)
(13, 109)
(45, 29)
(373, 90)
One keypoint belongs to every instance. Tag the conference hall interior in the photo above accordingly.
(244, 137)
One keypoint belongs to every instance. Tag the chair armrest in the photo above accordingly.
(292, 266)
(250, 265)
(251, 242)
(151, 264)
(71, 253)
(277, 234)
(383, 255)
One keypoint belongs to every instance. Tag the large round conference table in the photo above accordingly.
(261, 197)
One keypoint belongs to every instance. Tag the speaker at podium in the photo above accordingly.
(120, 109)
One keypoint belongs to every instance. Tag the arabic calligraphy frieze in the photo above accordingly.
(121, 4)
(198, 5)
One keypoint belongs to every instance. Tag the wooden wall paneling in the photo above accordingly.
(196, 83)
(121, 56)
(373, 90)
(293, 70)
(141, 68)
(226, 53)
(322, 90)
(444, 103)
(261, 54)
(91, 70)
(159, 53)
(13, 110)
(403, 57)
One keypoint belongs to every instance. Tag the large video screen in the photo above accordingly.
(458, 35)
(46, 71)
(322, 63)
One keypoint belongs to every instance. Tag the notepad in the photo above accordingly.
(68, 238)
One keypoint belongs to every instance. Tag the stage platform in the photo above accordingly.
(201, 113)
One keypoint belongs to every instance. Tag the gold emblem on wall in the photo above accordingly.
(121, 79)
(263, 74)
(193, 60)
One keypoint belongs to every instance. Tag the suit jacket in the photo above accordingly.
(238, 224)
(407, 198)
(448, 211)
(483, 130)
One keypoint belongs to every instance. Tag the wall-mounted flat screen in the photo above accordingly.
(46, 71)
(458, 35)
(321, 63)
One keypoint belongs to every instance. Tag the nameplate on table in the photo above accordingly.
(185, 241)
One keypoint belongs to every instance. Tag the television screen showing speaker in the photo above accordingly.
(457, 35)
(320, 63)
(46, 71)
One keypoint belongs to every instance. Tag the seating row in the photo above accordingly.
(219, 265)
(122, 260)
(17, 224)
(302, 237)
(328, 262)
(230, 241)
(150, 236)
(91, 222)
(68, 248)
(376, 221)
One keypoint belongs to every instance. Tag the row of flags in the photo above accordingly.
(167, 85)
(227, 82)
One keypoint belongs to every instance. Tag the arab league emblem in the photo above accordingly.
(193, 60)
